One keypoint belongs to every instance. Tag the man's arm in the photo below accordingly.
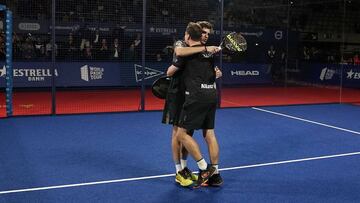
(171, 70)
(187, 51)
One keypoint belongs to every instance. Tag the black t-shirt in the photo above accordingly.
(199, 78)
(175, 85)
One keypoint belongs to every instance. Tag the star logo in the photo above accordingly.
(350, 74)
(2, 71)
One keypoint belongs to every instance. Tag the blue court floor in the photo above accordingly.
(306, 153)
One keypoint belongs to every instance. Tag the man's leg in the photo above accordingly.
(193, 148)
(189, 143)
(181, 175)
(175, 146)
(213, 147)
(183, 160)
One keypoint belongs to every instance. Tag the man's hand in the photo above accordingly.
(212, 49)
(218, 72)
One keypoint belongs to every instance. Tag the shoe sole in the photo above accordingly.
(176, 180)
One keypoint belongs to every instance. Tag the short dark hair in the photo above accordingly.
(194, 30)
(206, 24)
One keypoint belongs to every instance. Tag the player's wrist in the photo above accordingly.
(205, 49)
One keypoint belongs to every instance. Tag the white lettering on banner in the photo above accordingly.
(353, 75)
(73, 27)
(163, 30)
(149, 73)
(245, 72)
(29, 26)
(96, 73)
(33, 74)
(36, 78)
(91, 73)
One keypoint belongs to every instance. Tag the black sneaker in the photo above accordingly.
(204, 176)
(215, 180)
(190, 174)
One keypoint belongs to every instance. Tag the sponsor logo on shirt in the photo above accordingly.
(207, 86)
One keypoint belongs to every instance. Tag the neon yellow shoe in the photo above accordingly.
(190, 174)
(182, 179)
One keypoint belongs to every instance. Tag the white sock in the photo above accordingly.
(178, 167)
(202, 164)
(216, 167)
(183, 163)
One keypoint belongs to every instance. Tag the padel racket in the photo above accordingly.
(234, 42)
(160, 87)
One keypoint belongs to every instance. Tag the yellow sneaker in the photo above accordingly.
(182, 179)
(190, 174)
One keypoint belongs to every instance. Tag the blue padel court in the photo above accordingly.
(305, 153)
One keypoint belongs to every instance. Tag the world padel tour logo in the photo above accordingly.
(149, 73)
(327, 74)
(353, 75)
(91, 73)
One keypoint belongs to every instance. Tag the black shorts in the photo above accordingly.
(173, 103)
(197, 115)
(172, 109)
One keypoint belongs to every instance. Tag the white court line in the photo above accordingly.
(305, 120)
(168, 175)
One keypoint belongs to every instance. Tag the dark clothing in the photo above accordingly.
(199, 79)
(174, 100)
(199, 109)
(175, 97)
(198, 115)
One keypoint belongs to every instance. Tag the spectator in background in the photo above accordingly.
(130, 54)
(137, 45)
(2, 46)
(103, 52)
(70, 47)
(28, 48)
(271, 60)
(116, 50)
(356, 59)
(49, 49)
(306, 54)
(87, 54)
(39, 48)
(17, 49)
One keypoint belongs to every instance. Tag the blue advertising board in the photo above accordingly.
(98, 74)
(333, 74)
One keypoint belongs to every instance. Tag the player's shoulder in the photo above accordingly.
(180, 43)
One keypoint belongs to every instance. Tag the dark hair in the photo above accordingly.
(206, 24)
(194, 30)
